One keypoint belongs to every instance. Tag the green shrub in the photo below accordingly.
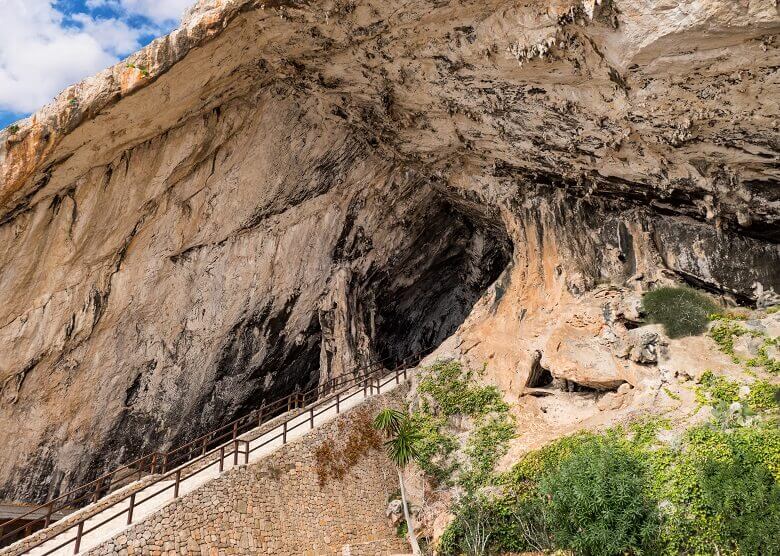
(598, 502)
(691, 523)
(453, 391)
(694, 494)
(644, 432)
(682, 311)
(503, 524)
(447, 389)
(763, 395)
(528, 470)
(743, 500)
(486, 445)
(434, 446)
(763, 360)
(13, 128)
(724, 332)
(714, 389)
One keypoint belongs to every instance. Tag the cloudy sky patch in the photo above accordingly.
(46, 45)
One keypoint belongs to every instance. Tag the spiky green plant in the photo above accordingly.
(402, 439)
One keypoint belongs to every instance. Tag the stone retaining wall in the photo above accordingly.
(280, 505)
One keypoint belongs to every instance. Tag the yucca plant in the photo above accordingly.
(401, 444)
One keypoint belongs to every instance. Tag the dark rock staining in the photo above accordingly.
(297, 189)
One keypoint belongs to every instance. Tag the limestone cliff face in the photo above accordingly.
(282, 190)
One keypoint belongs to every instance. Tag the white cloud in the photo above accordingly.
(114, 36)
(158, 11)
(42, 51)
(38, 57)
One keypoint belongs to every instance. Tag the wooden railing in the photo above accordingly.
(224, 441)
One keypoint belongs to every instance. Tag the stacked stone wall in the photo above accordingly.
(280, 505)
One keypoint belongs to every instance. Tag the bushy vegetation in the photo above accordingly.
(598, 502)
(13, 128)
(696, 517)
(714, 389)
(487, 444)
(744, 500)
(763, 396)
(681, 311)
(727, 328)
(447, 391)
(435, 446)
(715, 491)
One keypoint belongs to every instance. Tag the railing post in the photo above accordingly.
(130, 511)
(176, 485)
(246, 454)
(79, 533)
(203, 451)
(379, 385)
(153, 465)
(289, 402)
(338, 401)
(235, 430)
(221, 459)
(97, 490)
(284, 433)
(235, 452)
(49, 510)
(365, 387)
(311, 417)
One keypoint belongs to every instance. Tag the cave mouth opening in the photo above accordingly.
(428, 291)
(539, 377)
(454, 251)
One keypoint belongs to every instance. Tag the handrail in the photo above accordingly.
(94, 489)
(255, 418)
(177, 473)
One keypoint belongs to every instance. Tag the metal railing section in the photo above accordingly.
(172, 465)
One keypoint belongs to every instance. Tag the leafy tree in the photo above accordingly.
(402, 440)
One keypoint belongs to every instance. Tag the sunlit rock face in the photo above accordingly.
(287, 190)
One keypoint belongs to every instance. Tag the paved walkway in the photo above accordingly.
(142, 509)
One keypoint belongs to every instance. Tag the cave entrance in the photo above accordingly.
(431, 288)
(401, 307)
(539, 377)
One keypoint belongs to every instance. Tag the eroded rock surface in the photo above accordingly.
(282, 190)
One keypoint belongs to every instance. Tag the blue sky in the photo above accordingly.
(46, 45)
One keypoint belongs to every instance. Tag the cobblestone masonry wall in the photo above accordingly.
(280, 505)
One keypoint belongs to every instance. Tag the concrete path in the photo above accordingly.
(161, 494)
